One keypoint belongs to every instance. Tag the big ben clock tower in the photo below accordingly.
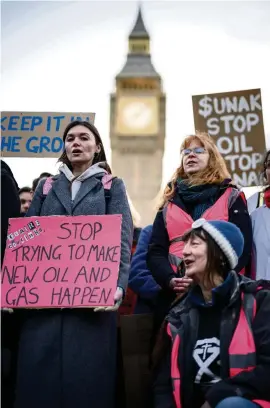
(137, 124)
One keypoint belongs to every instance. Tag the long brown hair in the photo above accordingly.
(98, 157)
(215, 172)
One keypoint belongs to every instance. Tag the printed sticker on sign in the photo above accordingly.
(24, 234)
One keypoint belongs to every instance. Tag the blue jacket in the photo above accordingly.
(141, 280)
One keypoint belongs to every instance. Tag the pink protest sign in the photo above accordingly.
(53, 262)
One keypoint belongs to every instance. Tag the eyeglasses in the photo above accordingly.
(196, 150)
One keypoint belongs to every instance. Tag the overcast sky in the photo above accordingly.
(63, 56)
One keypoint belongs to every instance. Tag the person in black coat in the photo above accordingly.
(10, 208)
(214, 347)
(10, 202)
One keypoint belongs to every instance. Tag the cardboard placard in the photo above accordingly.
(56, 261)
(235, 121)
(36, 134)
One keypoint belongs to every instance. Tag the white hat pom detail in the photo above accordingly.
(198, 223)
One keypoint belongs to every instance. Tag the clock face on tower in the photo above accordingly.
(137, 116)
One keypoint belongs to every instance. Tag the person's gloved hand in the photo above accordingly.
(220, 391)
(7, 309)
(205, 405)
(118, 297)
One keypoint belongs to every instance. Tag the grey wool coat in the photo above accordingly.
(67, 358)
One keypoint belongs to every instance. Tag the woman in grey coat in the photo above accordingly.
(67, 357)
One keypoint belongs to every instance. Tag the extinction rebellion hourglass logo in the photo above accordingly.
(207, 357)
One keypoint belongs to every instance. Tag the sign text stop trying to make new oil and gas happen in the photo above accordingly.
(61, 262)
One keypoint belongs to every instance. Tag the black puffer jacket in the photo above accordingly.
(10, 208)
(10, 202)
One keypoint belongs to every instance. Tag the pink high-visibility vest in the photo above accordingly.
(242, 354)
(177, 222)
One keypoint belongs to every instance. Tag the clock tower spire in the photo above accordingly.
(137, 123)
(138, 62)
(139, 40)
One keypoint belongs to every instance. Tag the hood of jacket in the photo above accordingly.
(76, 182)
(234, 283)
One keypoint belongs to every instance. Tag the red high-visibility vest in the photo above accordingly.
(242, 353)
(177, 222)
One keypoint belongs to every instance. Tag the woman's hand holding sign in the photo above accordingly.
(118, 297)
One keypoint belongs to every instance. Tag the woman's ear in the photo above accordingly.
(98, 149)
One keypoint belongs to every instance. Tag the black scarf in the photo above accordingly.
(197, 198)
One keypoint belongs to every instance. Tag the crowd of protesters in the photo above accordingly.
(202, 271)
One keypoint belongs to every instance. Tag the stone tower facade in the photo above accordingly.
(137, 124)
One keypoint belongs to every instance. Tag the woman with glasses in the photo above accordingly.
(261, 229)
(200, 187)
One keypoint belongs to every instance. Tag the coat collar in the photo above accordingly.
(87, 186)
(61, 187)
(221, 295)
(190, 300)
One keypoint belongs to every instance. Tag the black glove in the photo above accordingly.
(220, 391)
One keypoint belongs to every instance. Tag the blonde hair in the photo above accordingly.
(215, 172)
